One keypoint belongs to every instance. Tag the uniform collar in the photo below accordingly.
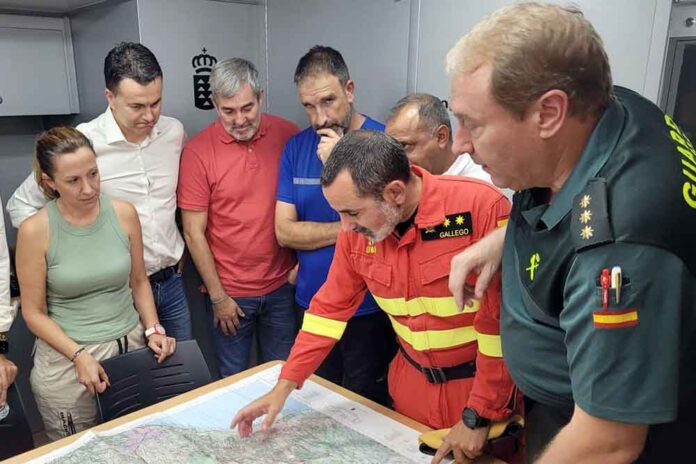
(599, 147)
(114, 134)
(431, 205)
(226, 138)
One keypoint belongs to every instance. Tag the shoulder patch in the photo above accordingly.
(589, 225)
(454, 225)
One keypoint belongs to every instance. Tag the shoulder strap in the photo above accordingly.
(589, 224)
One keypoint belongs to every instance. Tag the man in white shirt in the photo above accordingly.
(138, 155)
(8, 370)
(420, 122)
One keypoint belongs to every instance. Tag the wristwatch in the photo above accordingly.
(473, 420)
(4, 344)
(155, 329)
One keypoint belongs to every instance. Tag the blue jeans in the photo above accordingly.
(172, 306)
(270, 316)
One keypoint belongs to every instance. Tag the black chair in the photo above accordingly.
(138, 381)
(15, 434)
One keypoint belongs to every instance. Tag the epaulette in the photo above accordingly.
(589, 225)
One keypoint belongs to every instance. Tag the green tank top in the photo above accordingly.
(88, 271)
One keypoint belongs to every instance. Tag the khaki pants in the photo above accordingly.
(65, 405)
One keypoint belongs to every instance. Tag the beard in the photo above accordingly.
(340, 127)
(392, 217)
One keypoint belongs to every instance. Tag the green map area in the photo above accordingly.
(302, 437)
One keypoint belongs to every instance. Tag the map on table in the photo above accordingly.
(316, 426)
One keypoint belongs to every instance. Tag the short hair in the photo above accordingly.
(372, 158)
(536, 47)
(322, 59)
(50, 144)
(130, 60)
(228, 76)
(431, 110)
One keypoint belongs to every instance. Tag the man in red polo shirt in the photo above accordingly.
(400, 228)
(227, 186)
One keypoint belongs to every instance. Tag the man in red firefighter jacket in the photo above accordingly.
(401, 227)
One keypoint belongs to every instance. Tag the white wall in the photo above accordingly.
(177, 30)
(372, 36)
(634, 34)
(95, 31)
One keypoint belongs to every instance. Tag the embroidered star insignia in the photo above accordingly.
(585, 201)
(446, 223)
(459, 220)
(586, 216)
(586, 232)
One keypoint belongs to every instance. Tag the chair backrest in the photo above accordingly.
(15, 434)
(138, 381)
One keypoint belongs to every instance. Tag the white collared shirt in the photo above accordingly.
(7, 311)
(465, 166)
(144, 174)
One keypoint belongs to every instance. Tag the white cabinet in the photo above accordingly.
(37, 68)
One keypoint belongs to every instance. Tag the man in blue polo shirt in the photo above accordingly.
(305, 222)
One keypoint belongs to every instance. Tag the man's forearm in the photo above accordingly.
(580, 442)
(205, 264)
(307, 235)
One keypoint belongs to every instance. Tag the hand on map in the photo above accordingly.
(269, 404)
(226, 316)
(8, 372)
(466, 444)
(329, 138)
(161, 345)
(484, 259)
(91, 374)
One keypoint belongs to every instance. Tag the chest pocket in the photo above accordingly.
(542, 262)
(377, 274)
(434, 269)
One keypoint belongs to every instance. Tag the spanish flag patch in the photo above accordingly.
(502, 221)
(615, 319)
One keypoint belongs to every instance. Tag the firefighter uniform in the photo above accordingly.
(622, 350)
(458, 353)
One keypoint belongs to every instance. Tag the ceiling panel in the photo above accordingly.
(46, 6)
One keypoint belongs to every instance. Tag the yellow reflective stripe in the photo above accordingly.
(323, 326)
(437, 306)
(490, 345)
(434, 339)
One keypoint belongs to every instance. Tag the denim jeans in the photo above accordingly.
(172, 306)
(270, 317)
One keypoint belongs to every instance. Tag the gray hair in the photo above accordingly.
(228, 76)
(431, 110)
(372, 158)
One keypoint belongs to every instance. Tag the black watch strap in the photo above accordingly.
(4, 344)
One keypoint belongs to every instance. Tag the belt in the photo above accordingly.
(162, 274)
(442, 374)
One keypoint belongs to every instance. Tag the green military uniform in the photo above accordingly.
(630, 202)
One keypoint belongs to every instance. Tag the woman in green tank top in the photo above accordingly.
(84, 291)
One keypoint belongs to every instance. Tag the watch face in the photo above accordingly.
(4, 347)
(470, 418)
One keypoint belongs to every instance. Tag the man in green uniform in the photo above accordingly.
(598, 317)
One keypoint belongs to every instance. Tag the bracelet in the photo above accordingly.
(220, 300)
(77, 353)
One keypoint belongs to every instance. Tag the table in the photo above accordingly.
(165, 405)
